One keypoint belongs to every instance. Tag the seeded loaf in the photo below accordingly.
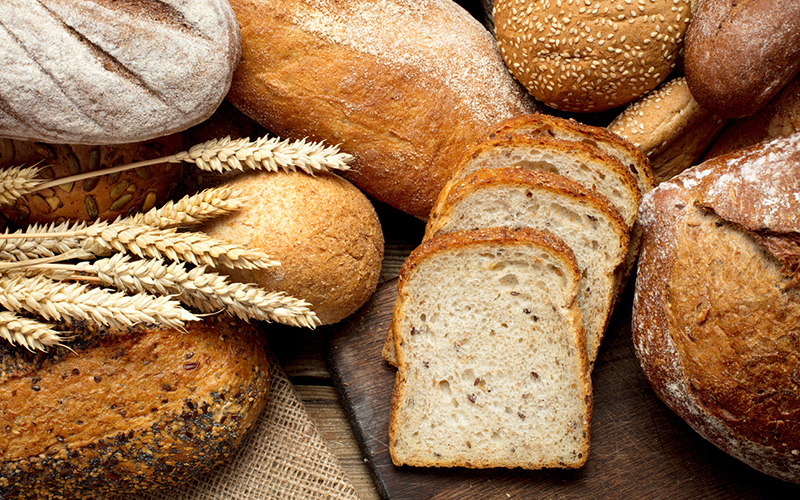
(402, 85)
(106, 196)
(323, 231)
(130, 410)
(93, 72)
(739, 54)
(717, 308)
(587, 58)
(491, 354)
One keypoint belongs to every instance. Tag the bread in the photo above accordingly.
(92, 72)
(491, 354)
(715, 310)
(587, 58)
(323, 231)
(739, 54)
(402, 85)
(779, 118)
(126, 411)
(670, 127)
(514, 198)
(106, 196)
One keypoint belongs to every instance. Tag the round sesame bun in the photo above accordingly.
(586, 58)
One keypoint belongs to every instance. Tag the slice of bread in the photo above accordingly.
(492, 366)
(514, 197)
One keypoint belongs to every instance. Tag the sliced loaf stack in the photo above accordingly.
(579, 185)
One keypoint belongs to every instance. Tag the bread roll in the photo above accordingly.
(587, 58)
(106, 196)
(717, 307)
(323, 231)
(125, 411)
(739, 54)
(402, 85)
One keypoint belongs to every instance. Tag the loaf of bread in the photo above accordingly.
(717, 307)
(323, 231)
(105, 196)
(739, 54)
(402, 85)
(587, 58)
(491, 354)
(93, 72)
(126, 411)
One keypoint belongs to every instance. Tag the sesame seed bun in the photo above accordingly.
(585, 57)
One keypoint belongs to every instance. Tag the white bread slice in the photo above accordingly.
(492, 366)
(514, 197)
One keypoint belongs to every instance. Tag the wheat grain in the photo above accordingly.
(46, 241)
(55, 300)
(193, 209)
(29, 333)
(16, 181)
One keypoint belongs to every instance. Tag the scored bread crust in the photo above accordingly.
(402, 85)
(716, 305)
(560, 297)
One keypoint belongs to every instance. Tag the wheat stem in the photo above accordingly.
(29, 333)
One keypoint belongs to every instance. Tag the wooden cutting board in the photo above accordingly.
(640, 449)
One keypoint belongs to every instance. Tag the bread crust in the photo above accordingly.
(716, 302)
(402, 85)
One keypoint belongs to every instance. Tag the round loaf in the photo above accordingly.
(123, 411)
(105, 196)
(587, 58)
(323, 231)
(717, 308)
(739, 54)
(403, 85)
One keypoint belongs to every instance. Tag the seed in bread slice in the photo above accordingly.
(514, 197)
(491, 353)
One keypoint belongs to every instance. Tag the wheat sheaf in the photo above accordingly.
(148, 267)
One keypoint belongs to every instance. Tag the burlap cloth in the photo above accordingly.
(283, 457)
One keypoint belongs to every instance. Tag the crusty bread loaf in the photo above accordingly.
(670, 127)
(514, 197)
(715, 311)
(587, 58)
(323, 231)
(402, 85)
(106, 196)
(491, 353)
(739, 54)
(93, 72)
(125, 411)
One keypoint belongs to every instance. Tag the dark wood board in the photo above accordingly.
(640, 449)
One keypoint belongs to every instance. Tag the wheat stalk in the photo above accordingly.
(29, 333)
(46, 241)
(193, 209)
(16, 181)
(55, 300)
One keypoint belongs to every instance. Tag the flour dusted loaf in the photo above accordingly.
(403, 85)
(92, 72)
(127, 410)
(491, 354)
(717, 306)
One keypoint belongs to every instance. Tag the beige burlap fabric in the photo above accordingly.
(284, 457)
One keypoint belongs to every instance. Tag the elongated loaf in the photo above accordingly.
(491, 354)
(92, 72)
(403, 85)
(126, 411)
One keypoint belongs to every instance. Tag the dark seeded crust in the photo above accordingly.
(717, 307)
(145, 408)
(740, 53)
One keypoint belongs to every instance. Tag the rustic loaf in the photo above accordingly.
(130, 410)
(402, 85)
(739, 54)
(717, 307)
(587, 58)
(93, 72)
(491, 354)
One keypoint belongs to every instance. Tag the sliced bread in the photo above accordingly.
(492, 366)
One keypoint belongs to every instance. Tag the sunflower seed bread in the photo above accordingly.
(492, 365)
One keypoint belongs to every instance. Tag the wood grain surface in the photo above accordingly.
(640, 449)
